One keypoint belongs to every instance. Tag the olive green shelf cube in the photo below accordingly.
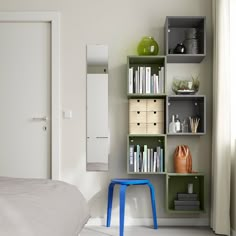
(178, 183)
(152, 142)
(140, 70)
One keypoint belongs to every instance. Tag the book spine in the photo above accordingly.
(135, 161)
(141, 79)
(144, 80)
(186, 203)
(162, 160)
(145, 160)
(187, 196)
(138, 157)
(163, 79)
(131, 158)
(148, 80)
(154, 84)
(138, 82)
(148, 160)
(187, 208)
(141, 162)
(158, 160)
(157, 83)
(131, 78)
(152, 159)
(155, 162)
(160, 80)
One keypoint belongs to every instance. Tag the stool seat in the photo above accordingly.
(124, 183)
(130, 181)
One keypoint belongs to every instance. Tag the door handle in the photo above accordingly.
(44, 118)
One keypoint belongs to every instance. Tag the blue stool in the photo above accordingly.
(124, 183)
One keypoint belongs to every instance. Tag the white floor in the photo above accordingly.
(147, 231)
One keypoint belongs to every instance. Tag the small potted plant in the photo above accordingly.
(186, 86)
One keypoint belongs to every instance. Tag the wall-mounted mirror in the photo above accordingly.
(97, 140)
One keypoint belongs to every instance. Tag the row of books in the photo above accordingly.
(144, 159)
(143, 81)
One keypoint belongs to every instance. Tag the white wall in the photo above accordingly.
(233, 114)
(120, 25)
(233, 192)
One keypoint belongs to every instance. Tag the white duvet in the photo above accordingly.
(32, 207)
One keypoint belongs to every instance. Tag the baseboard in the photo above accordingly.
(233, 232)
(149, 221)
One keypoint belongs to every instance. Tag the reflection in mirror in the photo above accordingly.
(97, 140)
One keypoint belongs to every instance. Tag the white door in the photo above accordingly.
(25, 80)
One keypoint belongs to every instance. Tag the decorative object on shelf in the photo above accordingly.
(194, 122)
(191, 41)
(186, 86)
(196, 83)
(187, 201)
(172, 126)
(179, 49)
(191, 33)
(184, 126)
(190, 188)
(177, 124)
(148, 46)
(182, 159)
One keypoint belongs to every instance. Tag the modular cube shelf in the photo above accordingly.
(152, 142)
(187, 106)
(149, 123)
(175, 33)
(178, 183)
(157, 65)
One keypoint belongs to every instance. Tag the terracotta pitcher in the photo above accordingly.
(182, 159)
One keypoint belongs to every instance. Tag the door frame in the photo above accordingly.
(54, 19)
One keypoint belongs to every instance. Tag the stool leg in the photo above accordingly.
(109, 204)
(154, 214)
(122, 208)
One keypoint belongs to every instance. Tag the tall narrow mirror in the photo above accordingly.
(97, 140)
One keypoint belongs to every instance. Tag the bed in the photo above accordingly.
(36, 207)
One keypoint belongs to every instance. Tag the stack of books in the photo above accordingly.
(187, 202)
(144, 159)
(143, 81)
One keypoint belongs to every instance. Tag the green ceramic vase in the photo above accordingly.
(148, 46)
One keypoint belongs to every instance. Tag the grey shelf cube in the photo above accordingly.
(175, 32)
(187, 106)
